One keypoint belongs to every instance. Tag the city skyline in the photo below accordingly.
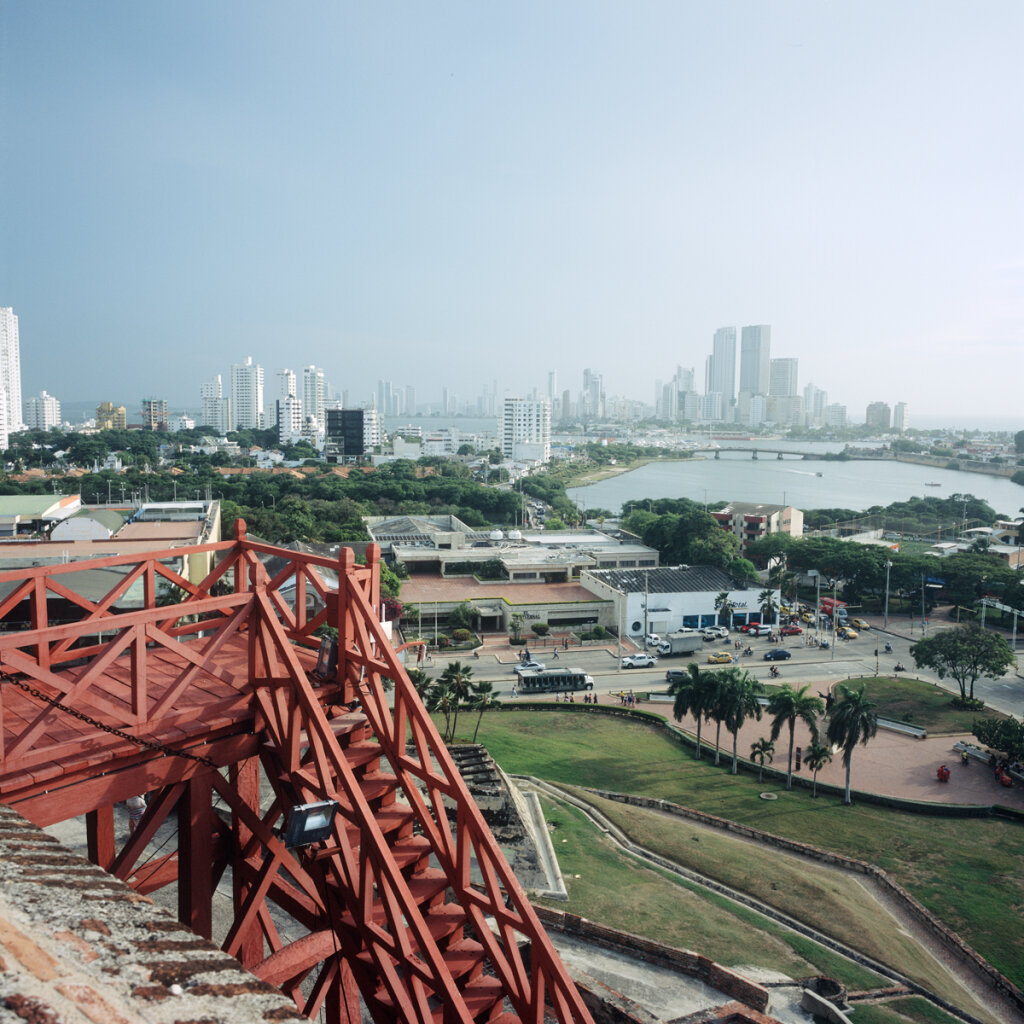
(376, 191)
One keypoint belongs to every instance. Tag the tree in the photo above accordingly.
(540, 628)
(483, 699)
(724, 607)
(1003, 734)
(459, 680)
(740, 701)
(852, 720)
(441, 700)
(786, 706)
(769, 606)
(816, 756)
(760, 751)
(965, 653)
(693, 695)
(461, 616)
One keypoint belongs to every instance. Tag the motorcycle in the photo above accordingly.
(824, 645)
(749, 650)
(899, 667)
(773, 672)
(888, 647)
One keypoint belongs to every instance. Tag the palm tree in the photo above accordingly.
(786, 705)
(483, 699)
(440, 699)
(769, 606)
(460, 682)
(816, 757)
(760, 751)
(717, 704)
(692, 696)
(724, 607)
(852, 720)
(741, 702)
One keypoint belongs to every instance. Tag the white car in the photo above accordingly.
(639, 661)
(714, 632)
(653, 639)
(536, 666)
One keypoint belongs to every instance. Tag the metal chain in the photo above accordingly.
(119, 733)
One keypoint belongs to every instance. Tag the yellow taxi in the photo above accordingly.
(860, 624)
(720, 658)
(846, 633)
(808, 617)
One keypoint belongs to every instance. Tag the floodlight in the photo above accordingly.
(309, 823)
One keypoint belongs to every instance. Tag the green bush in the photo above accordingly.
(461, 635)
(541, 628)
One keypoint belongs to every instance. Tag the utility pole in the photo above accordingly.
(885, 622)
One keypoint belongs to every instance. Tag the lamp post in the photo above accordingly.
(817, 603)
(835, 614)
(885, 621)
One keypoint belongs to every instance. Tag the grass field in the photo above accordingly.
(923, 704)
(966, 871)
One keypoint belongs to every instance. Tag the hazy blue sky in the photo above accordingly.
(470, 192)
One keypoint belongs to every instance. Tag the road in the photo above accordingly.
(848, 659)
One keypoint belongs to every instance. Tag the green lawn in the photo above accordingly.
(967, 871)
(923, 704)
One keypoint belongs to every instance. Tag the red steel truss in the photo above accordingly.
(409, 904)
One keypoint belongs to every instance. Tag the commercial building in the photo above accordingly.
(669, 598)
(783, 379)
(720, 371)
(351, 434)
(755, 359)
(750, 522)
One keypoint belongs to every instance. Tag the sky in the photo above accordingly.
(464, 193)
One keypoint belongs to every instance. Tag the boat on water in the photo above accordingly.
(929, 483)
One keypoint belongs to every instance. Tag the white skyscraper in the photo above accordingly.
(216, 407)
(284, 385)
(288, 414)
(314, 393)
(10, 369)
(900, 417)
(247, 395)
(526, 429)
(42, 412)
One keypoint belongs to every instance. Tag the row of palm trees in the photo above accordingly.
(731, 697)
(455, 690)
(766, 603)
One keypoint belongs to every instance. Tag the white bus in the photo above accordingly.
(553, 680)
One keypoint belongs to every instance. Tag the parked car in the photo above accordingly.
(639, 661)
(537, 666)
(759, 629)
(652, 639)
(720, 658)
(845, 633)
(860, 624)
(777, 654)
(791, 630)
(715, 632)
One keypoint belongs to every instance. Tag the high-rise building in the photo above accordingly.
(216, 411)
(284, 386)
(288, 417)
(10, 368)
(42, 412)
(314, 394)
(111, 417)
(878, 416)
(526, 429)
(410, 400)
(247, 395)
(592, 399)
(552, 384)
(345, 438)
(755, 359)
(815, 401)
(835, 415)
(720, 370)
(900, 417)
(783, 380)
(154, 414)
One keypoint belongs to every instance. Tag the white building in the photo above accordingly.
(247, 395)
(373, 430)
(216, 407)
(314, 394)
(900, 417)
(284, 385)
(288, 416)
(526, 429)
(42, 412)
(783, 380)
(10, 371)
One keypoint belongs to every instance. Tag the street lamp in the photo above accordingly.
(885, 622)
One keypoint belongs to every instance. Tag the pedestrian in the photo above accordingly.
(136, 811)
(554, 657)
